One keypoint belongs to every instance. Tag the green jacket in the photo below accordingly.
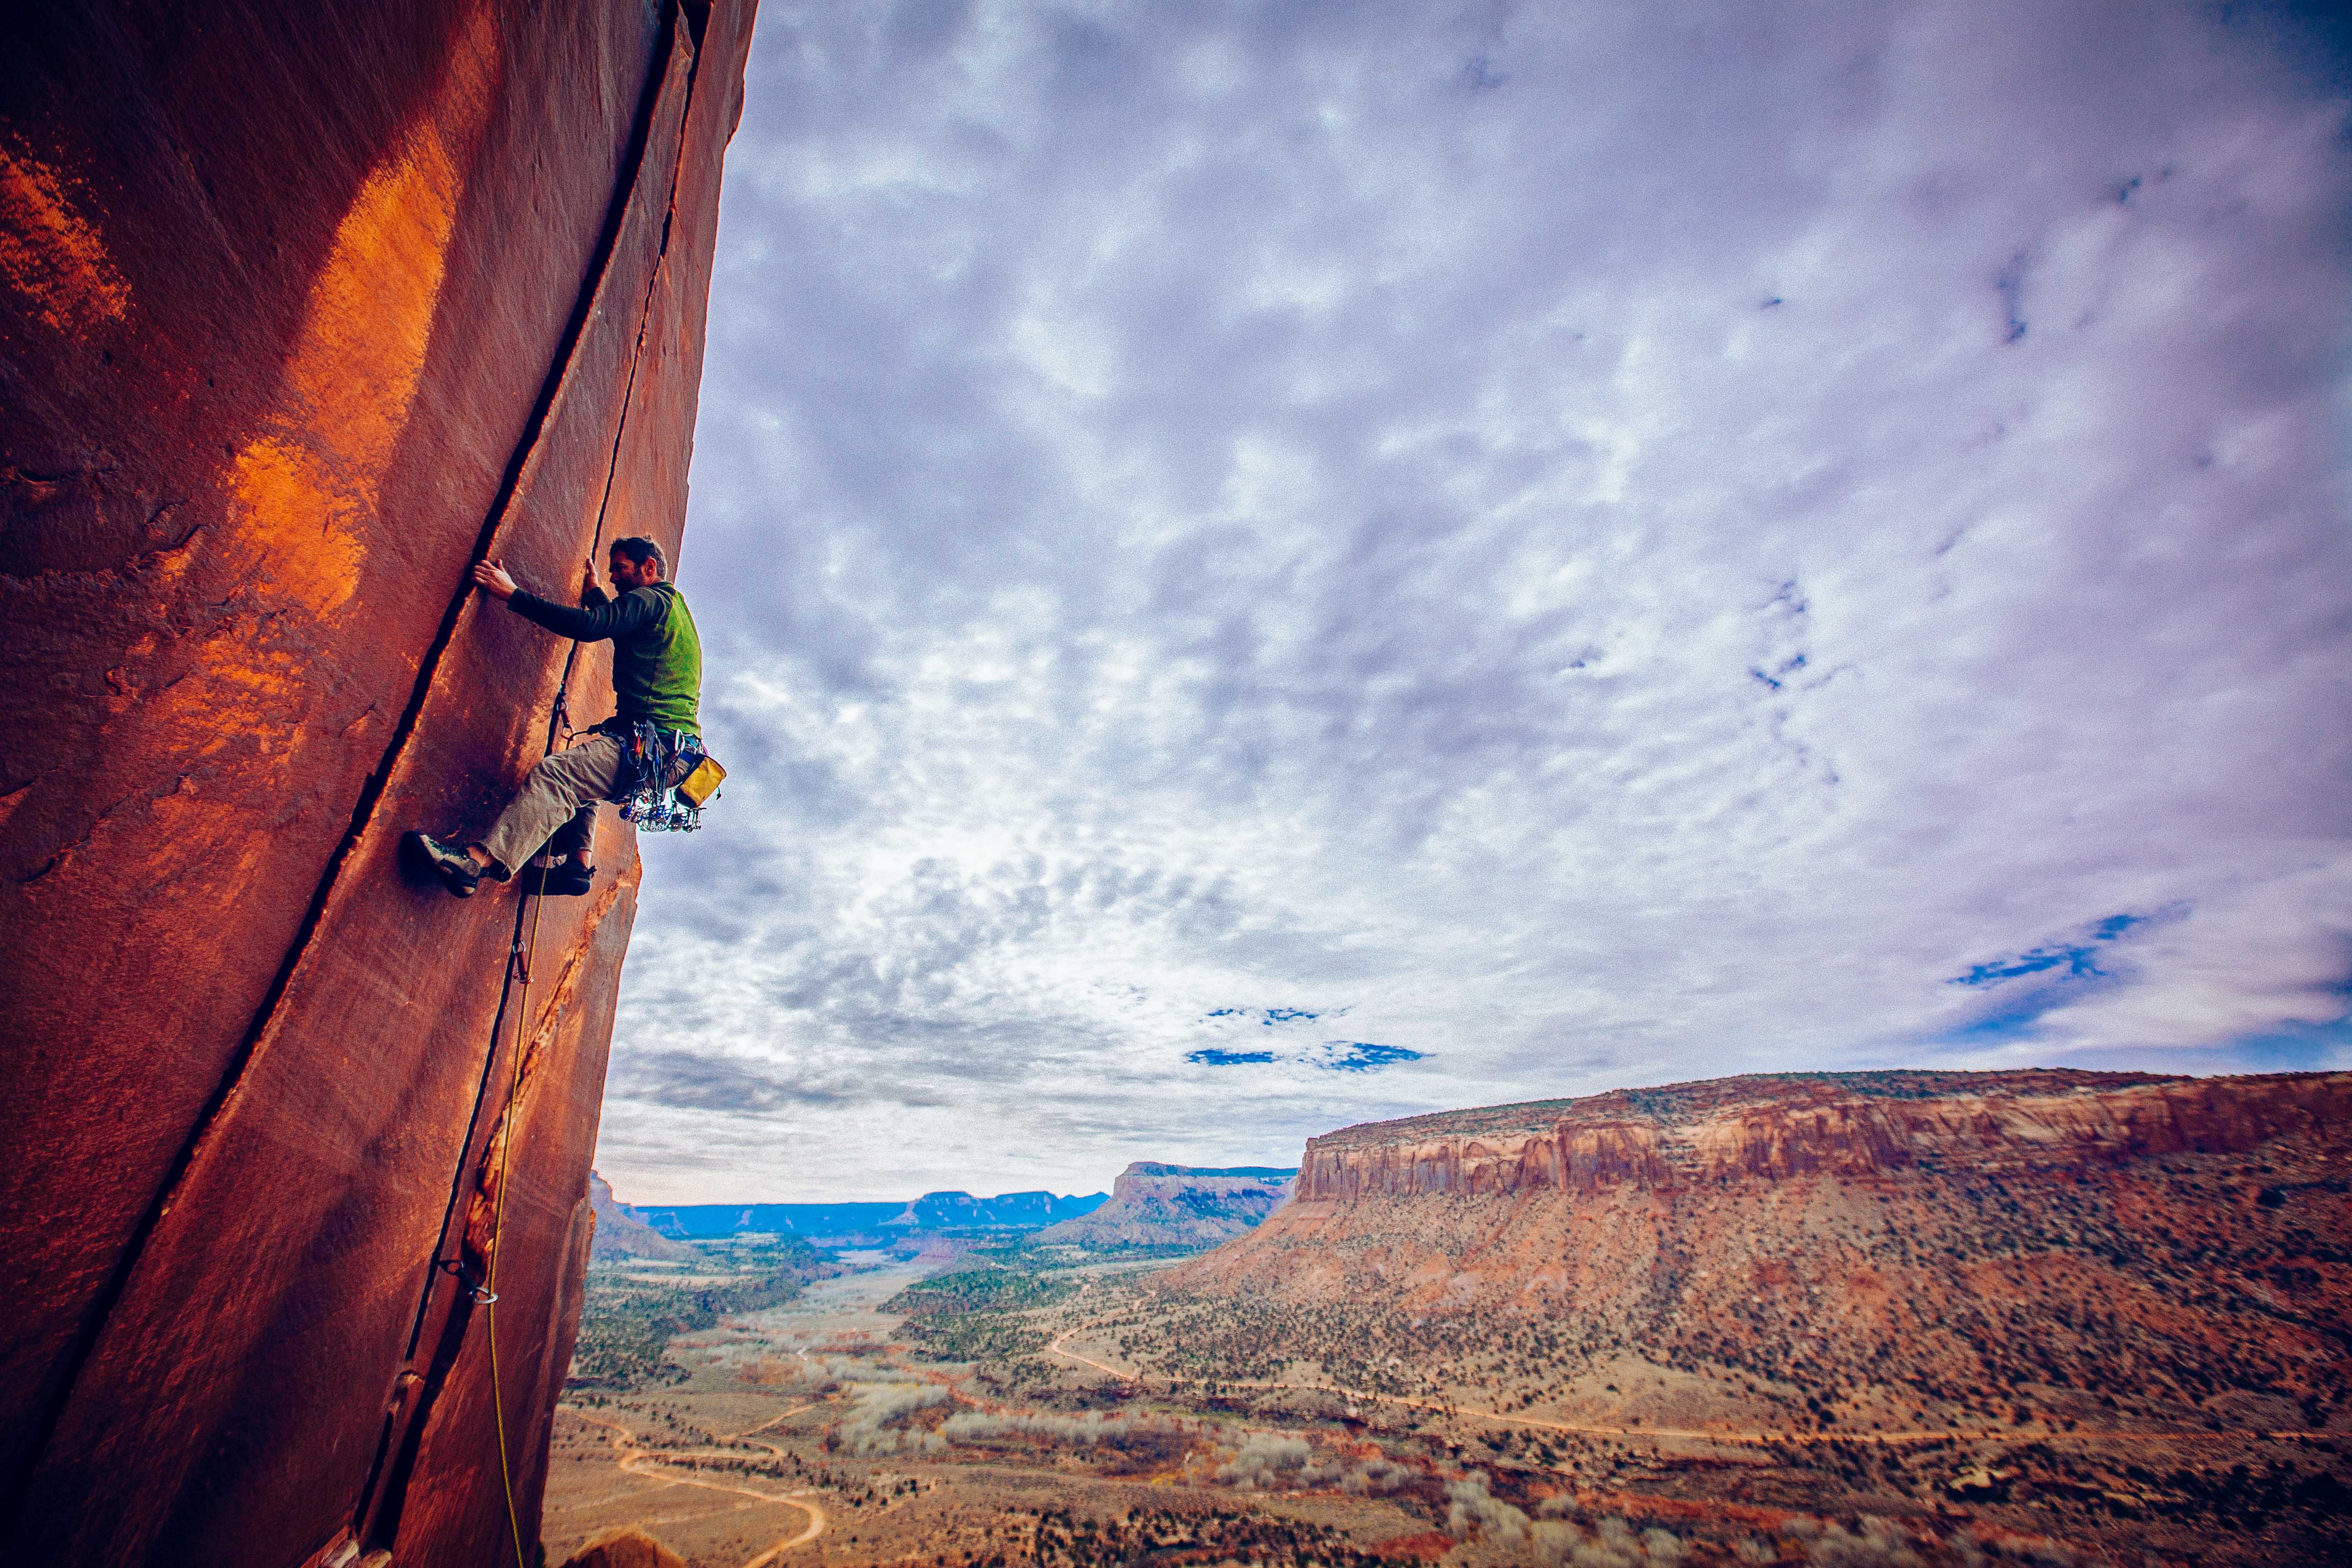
(657, 653)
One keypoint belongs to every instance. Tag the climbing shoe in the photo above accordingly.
(569, 878)
(453, 867)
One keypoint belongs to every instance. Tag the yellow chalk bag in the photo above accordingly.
(701, 783)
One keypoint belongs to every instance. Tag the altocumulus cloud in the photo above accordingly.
(1596, 544)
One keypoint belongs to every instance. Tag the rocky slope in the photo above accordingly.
(2114, 1246)
(304, 308)
(1153, 1204)
(625, 1547)
(621, 1234)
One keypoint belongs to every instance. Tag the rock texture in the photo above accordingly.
(305, 308)
(621, 1234)
(1153, 1204)
(1952, 1234)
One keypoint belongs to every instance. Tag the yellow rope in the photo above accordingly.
(561, 717)
(498, 1224)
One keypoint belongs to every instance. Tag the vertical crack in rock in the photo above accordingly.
(480, 1238)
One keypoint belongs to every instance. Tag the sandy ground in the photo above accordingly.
(603, 1474)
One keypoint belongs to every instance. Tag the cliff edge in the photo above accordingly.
(620, 1233)
(2176, 1244)
(305, 309)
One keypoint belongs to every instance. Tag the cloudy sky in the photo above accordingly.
(1266, 566)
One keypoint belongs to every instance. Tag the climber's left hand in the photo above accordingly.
(492, 579)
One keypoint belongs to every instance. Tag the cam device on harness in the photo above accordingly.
(667, 777)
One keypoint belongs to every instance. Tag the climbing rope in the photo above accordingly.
(522, 959)
(528, 957)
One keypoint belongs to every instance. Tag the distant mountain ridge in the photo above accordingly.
(620, 1233)
(933, 1211)
(1158, 1205)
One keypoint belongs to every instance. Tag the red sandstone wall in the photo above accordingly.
(303, 308)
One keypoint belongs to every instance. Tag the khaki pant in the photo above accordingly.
(560, 785)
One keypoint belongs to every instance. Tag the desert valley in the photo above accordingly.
(1878, 1318)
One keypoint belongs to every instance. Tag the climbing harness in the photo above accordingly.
(665, 776)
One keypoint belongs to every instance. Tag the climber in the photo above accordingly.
(657, 682)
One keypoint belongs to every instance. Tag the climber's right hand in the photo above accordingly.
(491, 578)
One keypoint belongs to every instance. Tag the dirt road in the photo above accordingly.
(638, 1460)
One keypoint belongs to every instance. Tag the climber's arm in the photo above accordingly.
(594, 623)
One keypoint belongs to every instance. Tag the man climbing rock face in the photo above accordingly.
(657, 678)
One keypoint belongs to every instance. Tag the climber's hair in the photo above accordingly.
(638, 549)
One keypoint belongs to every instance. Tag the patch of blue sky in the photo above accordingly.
(1363, 1056)
(2293, 1047)
(2069, 969)
(1269, 1016)
(2079, 956)
(2015, 1018)
(1331, 1055)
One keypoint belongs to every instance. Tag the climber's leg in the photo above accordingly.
(562, 870)
(559, 786)
(573, 840)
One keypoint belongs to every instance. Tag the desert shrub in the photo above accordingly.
(1881, 1544)
(1264, 1460)
(867, 1429)
(1551, 1542)
(1127, 1443)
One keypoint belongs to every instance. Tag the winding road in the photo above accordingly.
(638, 1460)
